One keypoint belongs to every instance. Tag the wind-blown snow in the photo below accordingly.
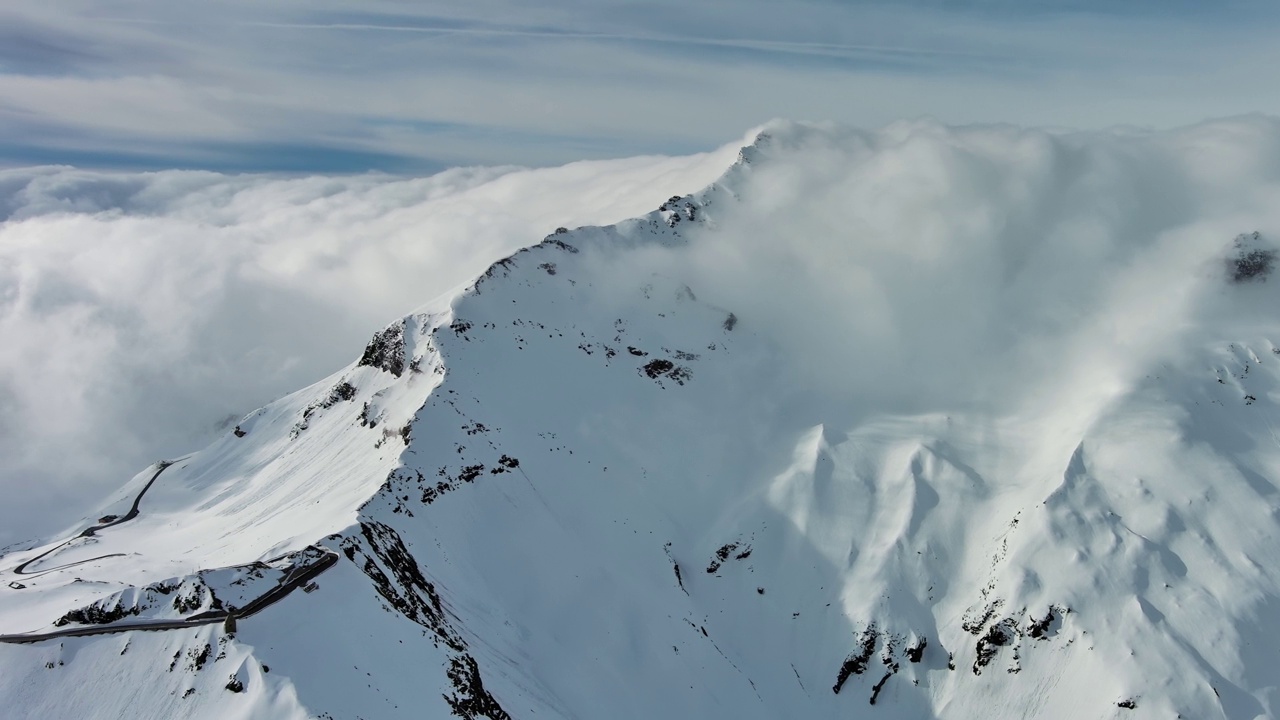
(928, 422)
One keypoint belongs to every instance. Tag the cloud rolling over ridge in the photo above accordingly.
(960, 270)
(924, 269)
(142, 312)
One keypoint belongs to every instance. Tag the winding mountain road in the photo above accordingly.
(93, 529)
(297, 577)
(294, 578)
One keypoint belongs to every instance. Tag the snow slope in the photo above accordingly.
(928, 422)
(241, 289)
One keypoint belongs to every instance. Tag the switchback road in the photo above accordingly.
(295, 579)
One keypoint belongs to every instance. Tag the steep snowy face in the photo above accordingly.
(917, 423)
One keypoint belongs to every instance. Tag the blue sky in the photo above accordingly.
(412, 87)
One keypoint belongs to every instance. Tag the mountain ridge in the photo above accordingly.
(587, 481)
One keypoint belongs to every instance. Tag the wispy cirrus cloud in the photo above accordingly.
(406, 87)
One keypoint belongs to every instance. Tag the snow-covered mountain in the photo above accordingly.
(918, 423)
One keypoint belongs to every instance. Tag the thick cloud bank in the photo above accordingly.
(983, 272)
(139, 313)
(924, 269)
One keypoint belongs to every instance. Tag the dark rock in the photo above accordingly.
(1039, 628)
(557, 243)
(856, 663)
(655, 368)
(997, 636)
(386, 350)
(406, 589)
(199, 657)
(915, 652)
(720, 556)
(97, 614)
(875, 690)
(471, 700)
(1251, 262)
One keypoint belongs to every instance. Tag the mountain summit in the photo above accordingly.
(925, 422)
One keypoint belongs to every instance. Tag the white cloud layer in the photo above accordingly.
(981, 272)
(141, 312)
(924, 267)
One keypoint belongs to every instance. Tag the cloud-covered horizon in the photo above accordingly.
(406, 88)
(141, 312)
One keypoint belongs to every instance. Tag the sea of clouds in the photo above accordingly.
(140, 313)
(919, 268)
